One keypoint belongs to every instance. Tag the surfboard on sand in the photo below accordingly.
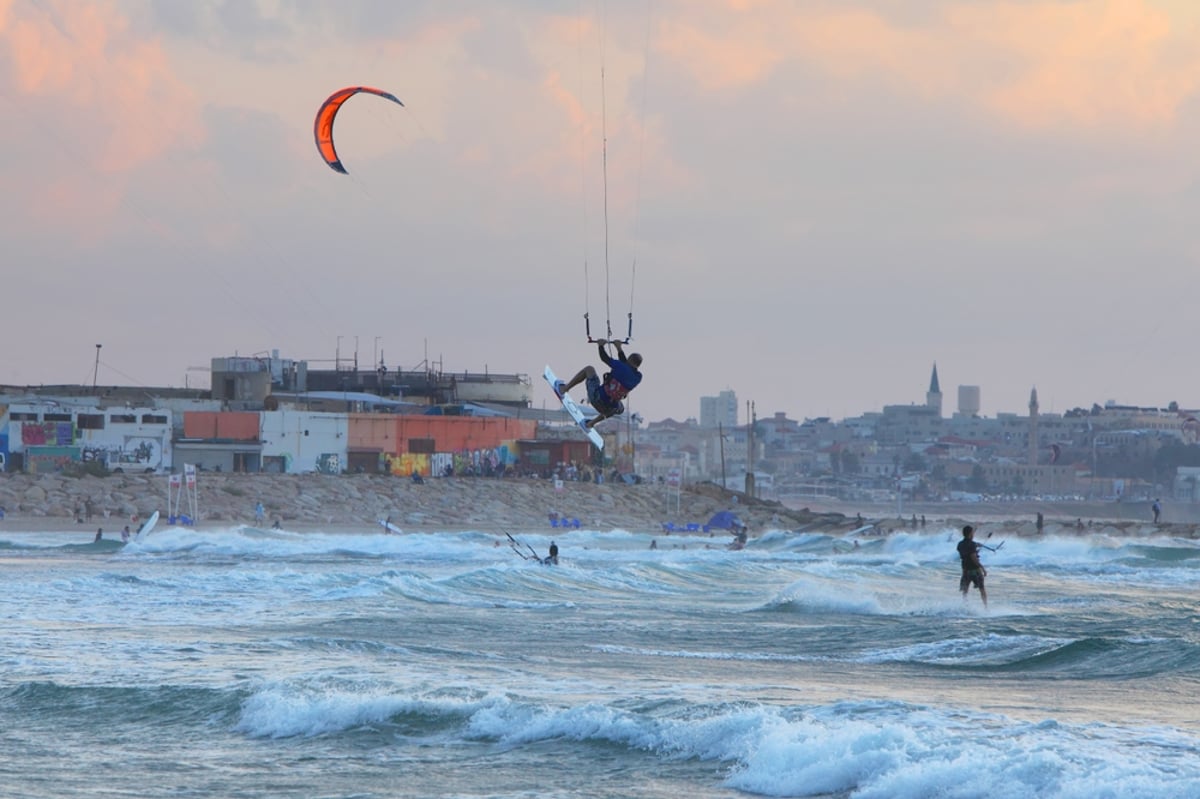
(574, 410)
(146, 527)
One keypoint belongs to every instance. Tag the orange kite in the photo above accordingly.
(323, 125)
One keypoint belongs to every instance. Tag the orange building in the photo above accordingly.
(406, 443)
(221, 425)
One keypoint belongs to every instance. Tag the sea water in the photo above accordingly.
(250, 663)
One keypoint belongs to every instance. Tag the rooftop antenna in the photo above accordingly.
(96, 368)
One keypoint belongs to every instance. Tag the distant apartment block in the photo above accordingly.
(719, 410)
(968, 400)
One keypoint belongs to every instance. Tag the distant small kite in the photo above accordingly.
(323, 125)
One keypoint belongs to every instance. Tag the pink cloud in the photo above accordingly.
(1043, 65)
(110, 102)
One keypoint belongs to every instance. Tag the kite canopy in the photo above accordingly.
(323, 125)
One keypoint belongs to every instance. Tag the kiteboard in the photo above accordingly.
(389, 527)
(146, 527)
(573, 409)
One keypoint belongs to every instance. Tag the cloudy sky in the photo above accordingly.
(808, 201)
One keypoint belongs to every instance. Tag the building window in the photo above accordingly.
(17, 416)
(150, 418)
(122, 418)
(90, 421)
(421, 446)
(57, 417)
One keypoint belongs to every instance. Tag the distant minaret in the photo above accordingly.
(933, 398)
(1033, 420)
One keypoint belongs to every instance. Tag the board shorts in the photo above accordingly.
(971, 577)
(600, 400)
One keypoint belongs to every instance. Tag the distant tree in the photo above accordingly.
(1173, 406)
(850, 463)
(915, 463)
(978, 480)
(1170, 457)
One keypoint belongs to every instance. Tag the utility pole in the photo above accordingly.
(721, 440)
(750, 449)
(96, 368)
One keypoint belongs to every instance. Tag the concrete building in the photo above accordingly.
(43, 435)
(968, 401)
(721, 410)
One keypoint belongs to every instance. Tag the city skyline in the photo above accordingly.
(820, 200)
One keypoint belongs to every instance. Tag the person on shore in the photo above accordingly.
(99, 535)
(623, 376)
(1156, 509)
(259, 513)
(973, 572)
(1041, 522)
(125, 534)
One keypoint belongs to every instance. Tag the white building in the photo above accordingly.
(304, 441)
(43, 435)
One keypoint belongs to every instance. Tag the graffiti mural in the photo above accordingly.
(47, 434)
(329, 463)
(48, 460)
(406, 463)
(135, 453)
(487, 462)
(441, 464)
(139, 454)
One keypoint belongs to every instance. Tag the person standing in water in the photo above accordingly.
(973, 572)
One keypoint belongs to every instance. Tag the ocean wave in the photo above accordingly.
(91, 707)
(866, 750)
(1089, 658)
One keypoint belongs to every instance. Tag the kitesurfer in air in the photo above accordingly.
(605, 395)
(972, 568)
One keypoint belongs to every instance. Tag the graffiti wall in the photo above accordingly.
(48, 460)
(406, 463)
(486, 462)
(125, 439)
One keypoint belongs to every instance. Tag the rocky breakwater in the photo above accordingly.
(361, 500)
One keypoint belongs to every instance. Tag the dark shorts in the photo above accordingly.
(599, 399)
(969, 578)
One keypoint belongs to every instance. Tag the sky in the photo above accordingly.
(807, 202)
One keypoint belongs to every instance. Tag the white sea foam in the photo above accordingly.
(865, 750)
